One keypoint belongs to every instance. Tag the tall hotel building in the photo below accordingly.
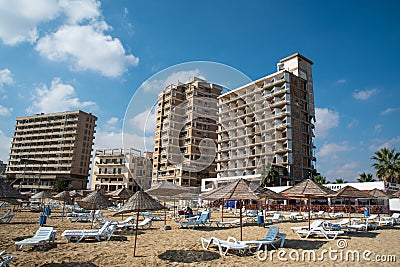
(115, 168)
(186, 133)
(268, 122)
(46, 147)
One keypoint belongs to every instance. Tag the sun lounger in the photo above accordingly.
(319, 214)
(5, 260)
(295, 216)
(128, 222)
(386, 221)
(7, 217)
(336, 215)
(105, 232)
(225, 245)
(305, 227)
(277, 217)
(235, 222)
(81, 217)
(364, 223)
(201, 221)
(273, 238)
(43, 235)
(319, 230)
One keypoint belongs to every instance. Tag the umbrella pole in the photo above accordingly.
(240, 216)
(309, 212)
(222, 210)
(62, 214)
(165, 215)
(349, 208)
(136, 231)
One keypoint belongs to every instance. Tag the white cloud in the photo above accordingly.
(5, 144)
(341, 81)
(115, 139)
(86, 48)
(331, 149)
(5, 78)
(79, 10)
(145, 121)
(4, 111)
(378, 128)
(348, 171)
(389, 143)
(112, 121)
(174, 78)
(326, 119)
(59, 97)
(19, 19)
(364, 95)
(389, 111)
(353, 123)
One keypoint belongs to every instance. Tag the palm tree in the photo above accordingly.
(268, 175)
(319, 179)
(387, 165)
(339, 181)
(365, 177)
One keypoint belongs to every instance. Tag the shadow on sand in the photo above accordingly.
(188, 256)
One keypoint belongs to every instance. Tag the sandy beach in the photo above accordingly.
(182, 247)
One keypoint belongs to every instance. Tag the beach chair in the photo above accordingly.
(105, 232)
(81, 217)
(295, 216)
(320, 214)
(201, 221)
(145, 224)
(386, 221)
(336, 215)
(5, 260)
(273, 238)
(396, 218)
(277, 217)
(43, 235)
(128, 222)
(228, 224)
(305, 227)
(7, 217)
(359, 224)
(225, 245)
(319, 230)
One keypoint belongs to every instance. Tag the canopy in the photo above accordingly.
(7, 192)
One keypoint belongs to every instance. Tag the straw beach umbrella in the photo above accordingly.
(379, 194)
(7, 192)
(238, 190)
(395, 194)
(267, 193)
(348, 192)
(140, 201)
(95, 201)
(66, 198)
(305, 190)
(165, 189)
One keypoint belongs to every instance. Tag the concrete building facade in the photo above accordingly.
(115, 168)
(268, 122)
(186, 131)
(47, 147)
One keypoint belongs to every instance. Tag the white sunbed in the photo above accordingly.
(7, 217)
(318, 229)
(320, 214)
(336, 215)
(128, 222)
(104, 232)
(201, 221)
(273, 238)
(5, 260)
(225, 245)
(277, 217)
(388, 221)
(363, 223)
(228, 224)
(305, 227)
(42, 236)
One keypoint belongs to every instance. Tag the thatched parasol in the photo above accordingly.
(165, 189)
(140, 201)
(122, 193)
(377, 193)
(7, 192)
(237, 190)
(66, 198)
(95, 201)
(348, 192)
(42, 195)
(305, 190)
(395, 194)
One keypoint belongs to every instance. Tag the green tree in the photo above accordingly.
(387, 165)
(268, 175)
(339, 181)
(60, 184)
(319, 179)
(365, 177)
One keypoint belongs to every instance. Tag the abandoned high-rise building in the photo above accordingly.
(49, 148)
(186, 131)
(268, 124)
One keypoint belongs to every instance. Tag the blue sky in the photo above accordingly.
(99, 55)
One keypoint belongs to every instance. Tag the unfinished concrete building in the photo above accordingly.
(47, 147)
(114, 168)
(186, 131)
(268, 122)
